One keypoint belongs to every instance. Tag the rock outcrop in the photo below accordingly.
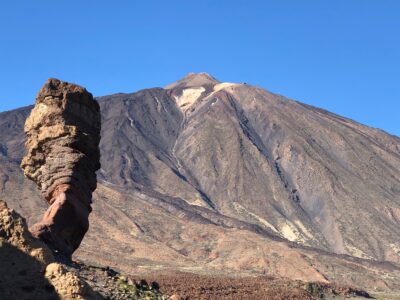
(28, 269)
(62, 157)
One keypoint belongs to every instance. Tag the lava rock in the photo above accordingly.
(63, 132)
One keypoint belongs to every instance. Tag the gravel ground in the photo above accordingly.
(186, 286)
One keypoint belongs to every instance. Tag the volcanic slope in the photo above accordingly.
(205, 176)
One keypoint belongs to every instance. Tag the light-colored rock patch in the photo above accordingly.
(289, 232)
(67, 284)
(223, 85)
(240, 208)
(188, 97)
(356, 252)
(304, 229)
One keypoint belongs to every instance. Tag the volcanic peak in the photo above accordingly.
(194, 80)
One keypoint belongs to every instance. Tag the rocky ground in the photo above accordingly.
(29, 270)
(184, 286)
(110, 284)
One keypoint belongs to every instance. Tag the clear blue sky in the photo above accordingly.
(341, 55)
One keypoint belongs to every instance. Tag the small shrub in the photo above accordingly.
(312, 288)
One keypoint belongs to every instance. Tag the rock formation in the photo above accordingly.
(28, 269)
(62, 157)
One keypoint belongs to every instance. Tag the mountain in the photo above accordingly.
(223, 178)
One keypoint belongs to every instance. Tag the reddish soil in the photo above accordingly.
(190, 286)
(187, 286)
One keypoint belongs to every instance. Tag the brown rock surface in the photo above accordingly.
(27, 267)
(62, 157)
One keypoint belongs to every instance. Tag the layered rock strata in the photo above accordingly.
(63, 132)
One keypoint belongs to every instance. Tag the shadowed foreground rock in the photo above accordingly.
(62, 157)
(28, 269)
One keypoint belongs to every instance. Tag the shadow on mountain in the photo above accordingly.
(22, 276)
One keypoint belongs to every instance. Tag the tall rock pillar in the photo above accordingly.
(62, 157)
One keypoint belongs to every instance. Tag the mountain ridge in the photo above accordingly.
(324, 110)
(192, 168)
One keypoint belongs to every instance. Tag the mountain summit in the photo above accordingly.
(193, 80)
(205, 176)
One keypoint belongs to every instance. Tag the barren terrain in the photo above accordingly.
(236, 181)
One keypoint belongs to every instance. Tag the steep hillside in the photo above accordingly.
(294, 170)
(204, 176)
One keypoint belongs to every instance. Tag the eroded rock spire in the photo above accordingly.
(62, 157)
